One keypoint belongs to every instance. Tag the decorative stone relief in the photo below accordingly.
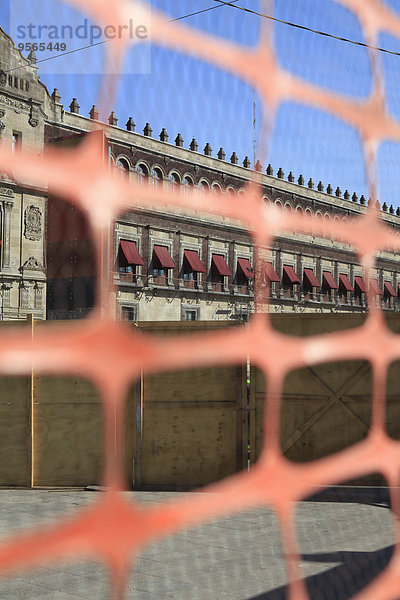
(6, 192)
(32, 264)
(33, 223)
(3, 78)
(39, 295)
(14, 103)
(27, 294)
(6, 289)
(34, 116)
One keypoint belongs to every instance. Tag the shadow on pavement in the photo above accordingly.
(357, 570)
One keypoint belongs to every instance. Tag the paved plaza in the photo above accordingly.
(344, 544)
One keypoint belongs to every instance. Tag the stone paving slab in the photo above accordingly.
(343, 545)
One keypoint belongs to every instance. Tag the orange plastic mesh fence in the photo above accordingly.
(113, 528)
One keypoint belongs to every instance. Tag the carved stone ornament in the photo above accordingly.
(32, 264)
(3, 78)
(2, 112)
(4, 191)
(14, 103)
(34, 116)
(33, 223)
(2, 126)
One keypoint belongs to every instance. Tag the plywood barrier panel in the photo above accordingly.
(191, 430)
(393, 401)
(188, 444)
(258, 390)
(132, 406)
(68, 432)
(216, 384)
(325, 409)
(15, 431)
(307, 324)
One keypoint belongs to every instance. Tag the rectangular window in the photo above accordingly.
(190, 315)
(129, 313)
(16, 141)
(161, 263)
(219, 270)
(125, 269)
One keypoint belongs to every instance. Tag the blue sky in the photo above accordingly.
(191, 97)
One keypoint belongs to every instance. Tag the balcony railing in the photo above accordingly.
(338, 298)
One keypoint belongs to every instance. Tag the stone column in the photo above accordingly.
(6, 290)
(39, 295)
(26, 300)
(7, 234)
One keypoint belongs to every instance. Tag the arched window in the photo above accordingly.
(203, 185)
(141, 174)
(156, 177)
(215, 188)
(308, 213)
(173, 181)
(187, 183)
(230, 191)
(123, 167)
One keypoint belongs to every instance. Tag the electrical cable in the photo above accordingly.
(305, 28)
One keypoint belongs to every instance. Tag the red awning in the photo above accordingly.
(289, 272)
(329, 280)
(312, 280)
(220, 264)
(270, 272)
(131, 253)
(164, 257)
(389, 289)
(344, 280)
(194, 261)
(374, 287)
(359, 282)
(246, 267)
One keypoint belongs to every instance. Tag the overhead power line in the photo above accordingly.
(197, 12)
(233, 4)
(304, 28)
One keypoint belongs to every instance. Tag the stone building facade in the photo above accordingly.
(169, 265)
(22, 207)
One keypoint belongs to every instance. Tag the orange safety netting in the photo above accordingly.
(113, 528)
